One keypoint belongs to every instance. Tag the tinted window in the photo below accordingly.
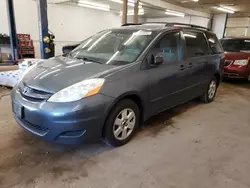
(236, 45)
(169, 47)
(196, 44)
(214, 44)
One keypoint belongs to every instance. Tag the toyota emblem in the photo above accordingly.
(27, 90)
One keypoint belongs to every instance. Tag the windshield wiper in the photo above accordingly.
(89, 59)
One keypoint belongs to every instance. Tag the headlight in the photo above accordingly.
(78, 91)
(242, 62)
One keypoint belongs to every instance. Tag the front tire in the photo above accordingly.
(122, 123)
(210, 92)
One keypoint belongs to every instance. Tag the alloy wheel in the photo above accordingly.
(212, 89)
(124, 124)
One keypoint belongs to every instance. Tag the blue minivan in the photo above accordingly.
(116, 79)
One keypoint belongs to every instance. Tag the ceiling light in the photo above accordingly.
(130, 3)
(225, 9)
(133, 1)
(133, 5)
(195, 0)
(117, 1)
(93, 5)
(174, 13)
(131, 12)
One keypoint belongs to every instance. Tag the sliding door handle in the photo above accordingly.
(190, 65)
(182, 67)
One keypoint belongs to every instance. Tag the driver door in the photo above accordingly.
(167, 82)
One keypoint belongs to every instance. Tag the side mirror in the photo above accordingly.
(65, 54)
(158, 59)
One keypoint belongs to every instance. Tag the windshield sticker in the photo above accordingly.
(142, 33)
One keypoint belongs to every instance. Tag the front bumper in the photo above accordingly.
(66, 123)
(236, 72)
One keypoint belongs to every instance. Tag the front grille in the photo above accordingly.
(33, 94)
(40, 130)
(227, 62)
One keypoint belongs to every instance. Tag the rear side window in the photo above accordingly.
(196, 44)
(214, 44)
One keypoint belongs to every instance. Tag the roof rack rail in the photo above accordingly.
(169, 24)
(128, 24)
(178, 24)
(188, 25)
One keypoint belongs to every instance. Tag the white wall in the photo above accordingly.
(68, 23)
(165, 5)
(131, 19)
(238, 27)
(187, 20)
(219, 21)
(4, 27)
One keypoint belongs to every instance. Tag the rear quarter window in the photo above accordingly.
(196, 44)
(214, 44)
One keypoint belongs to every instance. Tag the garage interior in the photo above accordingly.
(190, 146)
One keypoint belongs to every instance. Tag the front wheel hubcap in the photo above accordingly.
(212, 89)
(124, 124)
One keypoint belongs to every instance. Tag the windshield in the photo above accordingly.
(113, 47)
(236, 45)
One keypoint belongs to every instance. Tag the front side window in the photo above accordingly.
(196, 44)
(236, 45)
(169, 46)
(118, 47)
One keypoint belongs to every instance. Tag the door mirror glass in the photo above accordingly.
(158, 60)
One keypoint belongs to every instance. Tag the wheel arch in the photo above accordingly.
(135, 97)
(218, 78)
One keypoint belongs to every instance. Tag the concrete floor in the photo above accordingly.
(192, 146)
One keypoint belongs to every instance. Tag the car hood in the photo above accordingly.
(58, 73)
(237, 55)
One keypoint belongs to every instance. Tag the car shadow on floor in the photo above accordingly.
(238, 82)
(25, 158)
(159, 122)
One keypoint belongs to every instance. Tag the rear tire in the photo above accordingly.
(210, 92)
(122, 123)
